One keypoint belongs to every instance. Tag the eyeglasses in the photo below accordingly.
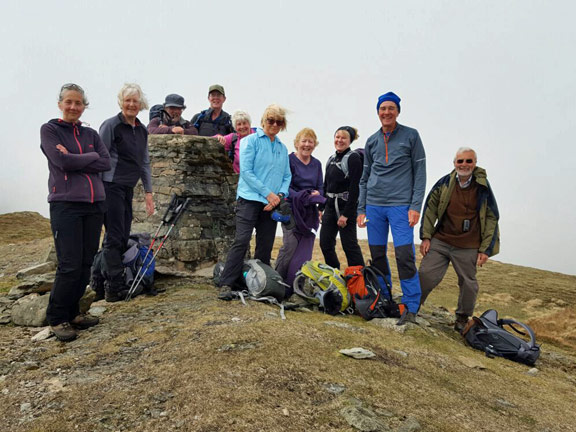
(272, 121)
(464, 160)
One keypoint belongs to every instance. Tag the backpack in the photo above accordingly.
(132, 260)
(232, 151)
(486, 333)
(370, 300)
(343, 164)
(322, 285)
(258, 280)
(157, 111)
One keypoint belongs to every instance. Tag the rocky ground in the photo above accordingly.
(184, 361)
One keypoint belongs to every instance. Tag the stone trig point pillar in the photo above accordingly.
(198, 168)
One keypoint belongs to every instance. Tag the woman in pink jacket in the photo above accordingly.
(231, 142)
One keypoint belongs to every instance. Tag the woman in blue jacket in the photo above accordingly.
(76, 157)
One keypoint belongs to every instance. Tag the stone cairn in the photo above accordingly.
(189, 166)
(197, 168)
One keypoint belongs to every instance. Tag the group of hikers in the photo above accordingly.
(380, 187)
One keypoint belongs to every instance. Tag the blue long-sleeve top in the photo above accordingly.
(264, 167)
(394, 171)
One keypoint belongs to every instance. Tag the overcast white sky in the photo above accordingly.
(497, 76)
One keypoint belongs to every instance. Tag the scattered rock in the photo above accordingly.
(400, 353)
(411, 424)
(26, 406)
(334, 388)
(357, 353)
(45, 267)
(364, 419)
(34, 284)
(242, 346)
(390, 324)
(87, 300)
(285, 412)
(504, 403)
(533, 372)
(30, 310)
(43, 334)
(97, 311)
(470, 362)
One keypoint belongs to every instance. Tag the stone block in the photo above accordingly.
(30, 310)
(45, 267)
(38, 284)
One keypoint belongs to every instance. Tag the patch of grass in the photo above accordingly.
(23, 226)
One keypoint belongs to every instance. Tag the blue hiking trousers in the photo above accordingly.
(380, 220)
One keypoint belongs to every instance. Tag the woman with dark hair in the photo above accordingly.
(341, 186)
(76, 157)
(127, 141)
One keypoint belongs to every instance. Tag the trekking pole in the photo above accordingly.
(178, 211)
(165, 219)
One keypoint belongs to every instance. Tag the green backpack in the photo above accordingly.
(322, 285)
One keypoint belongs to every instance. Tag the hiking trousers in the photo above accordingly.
(76, 229)
(348, 238)
(118, 221)
(433, 268)
(296, 250)
(381, 220)
(249, 215)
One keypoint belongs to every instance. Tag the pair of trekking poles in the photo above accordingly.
(174, 211)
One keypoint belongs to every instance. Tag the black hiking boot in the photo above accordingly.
(64, 332)
(226, 293)
(115, 291)
(460, 324)
(407, 317)
(84, 321)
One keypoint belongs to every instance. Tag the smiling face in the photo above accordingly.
(305, 147)
(242, 127)
(388, 113)
(341, 140)
(272, 126)
(464, 164)
(175, 113)
(216, 100)
(131, 106)
(72, 106)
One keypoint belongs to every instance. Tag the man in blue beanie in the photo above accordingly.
(391, 194)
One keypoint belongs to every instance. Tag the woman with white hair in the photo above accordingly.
(231, 142)
(127, 141)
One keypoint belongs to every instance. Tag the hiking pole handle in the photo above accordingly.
(170, 209)
(181, 210)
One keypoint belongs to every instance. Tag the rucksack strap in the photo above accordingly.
(529, 331)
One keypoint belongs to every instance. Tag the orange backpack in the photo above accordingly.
(364, 286)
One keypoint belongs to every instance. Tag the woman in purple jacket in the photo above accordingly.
(306, 191)
(76, 157)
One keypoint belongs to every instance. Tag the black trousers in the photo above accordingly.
(76, 228)
(348, 238)
(118, 221)
(249, 215)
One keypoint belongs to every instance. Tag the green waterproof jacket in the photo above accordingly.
(437, 202)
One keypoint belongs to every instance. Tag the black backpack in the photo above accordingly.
(157, 111)
(486, 333)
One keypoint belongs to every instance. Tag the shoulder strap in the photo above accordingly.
(529, 331)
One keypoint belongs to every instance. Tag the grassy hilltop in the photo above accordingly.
(184, 361)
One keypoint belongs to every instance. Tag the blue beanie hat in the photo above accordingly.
(390, 96)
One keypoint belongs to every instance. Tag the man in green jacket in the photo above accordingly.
(459, 226)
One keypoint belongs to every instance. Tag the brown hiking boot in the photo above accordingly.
(84, 321)
(460, 324)
(407, 317)
(64, 332)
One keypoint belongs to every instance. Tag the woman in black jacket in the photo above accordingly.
(341, 180)
(76, 156)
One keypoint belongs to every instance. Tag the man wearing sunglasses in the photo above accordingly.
(459, 226)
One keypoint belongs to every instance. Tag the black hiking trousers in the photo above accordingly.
(118, 221)
(76, 229)
(249, 215)
(348, 238)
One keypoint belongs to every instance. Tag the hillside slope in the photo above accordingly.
(184, 361)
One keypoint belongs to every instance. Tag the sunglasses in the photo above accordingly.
(464, 160)
(272, 121)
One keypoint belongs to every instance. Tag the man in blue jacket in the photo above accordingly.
(391, 194)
